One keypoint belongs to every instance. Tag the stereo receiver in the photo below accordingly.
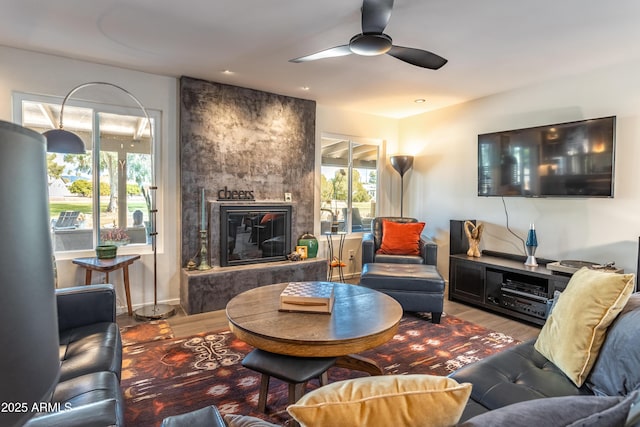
(523, 302)
(527, 288)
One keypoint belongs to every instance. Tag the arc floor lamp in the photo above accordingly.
(401, 164)
(63, 141)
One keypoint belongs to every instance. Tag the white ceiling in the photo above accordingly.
(492, 45)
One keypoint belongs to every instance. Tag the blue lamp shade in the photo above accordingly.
(62, 141)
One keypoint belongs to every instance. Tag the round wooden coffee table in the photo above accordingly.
(361, 319)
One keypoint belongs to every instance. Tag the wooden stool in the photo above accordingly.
(294, 370)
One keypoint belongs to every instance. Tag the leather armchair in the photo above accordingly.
(371, 243)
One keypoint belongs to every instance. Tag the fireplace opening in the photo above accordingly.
(254, 234)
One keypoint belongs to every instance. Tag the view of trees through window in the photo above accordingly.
(102, 196)
(348, 184)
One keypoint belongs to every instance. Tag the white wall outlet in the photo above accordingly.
(287, 197)
(352, 254)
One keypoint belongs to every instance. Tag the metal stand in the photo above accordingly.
(155, 311)
(204, 264)
(341, 236)
(531, 256)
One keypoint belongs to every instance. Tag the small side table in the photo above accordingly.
(106, 266)
(341, 236)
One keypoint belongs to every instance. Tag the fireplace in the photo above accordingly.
(252, 234)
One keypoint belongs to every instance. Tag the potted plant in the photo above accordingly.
(114, 236)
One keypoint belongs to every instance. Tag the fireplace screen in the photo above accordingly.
(253, 234)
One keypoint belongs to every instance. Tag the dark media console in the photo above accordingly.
(503, 284)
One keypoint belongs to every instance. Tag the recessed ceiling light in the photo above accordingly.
(420, 101)
(306, 88)
(227, 72)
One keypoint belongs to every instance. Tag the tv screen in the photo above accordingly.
(563, 160)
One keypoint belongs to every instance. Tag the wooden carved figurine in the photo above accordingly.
(474, 233)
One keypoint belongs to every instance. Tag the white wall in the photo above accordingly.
(443, 183)
(29, 72)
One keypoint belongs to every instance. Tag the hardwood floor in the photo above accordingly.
(515, 328)
(184, 325)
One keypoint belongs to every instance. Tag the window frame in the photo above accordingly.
(354, 141)
(98, 108)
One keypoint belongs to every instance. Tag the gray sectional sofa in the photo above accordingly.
(520, 383)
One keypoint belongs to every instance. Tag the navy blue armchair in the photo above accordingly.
(371, 243)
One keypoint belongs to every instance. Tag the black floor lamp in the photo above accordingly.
(401, 164)
(62, 141)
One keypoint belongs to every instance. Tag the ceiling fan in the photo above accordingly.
(372, 41)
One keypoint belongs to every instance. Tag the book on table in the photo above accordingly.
(310, 297)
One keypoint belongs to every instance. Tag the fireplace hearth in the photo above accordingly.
(255, 233)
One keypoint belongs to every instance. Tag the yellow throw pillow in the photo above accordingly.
(573, 334)
(387, 400)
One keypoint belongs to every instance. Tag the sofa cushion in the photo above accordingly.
(584, 411)
(616, 371)
(400, 239)
(574, 332)
(92, 348)
(515, 375)
(384, 401)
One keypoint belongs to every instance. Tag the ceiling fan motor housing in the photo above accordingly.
(372, 41)
(370, 44)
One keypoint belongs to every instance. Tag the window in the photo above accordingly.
(348, 183)
(118, 163)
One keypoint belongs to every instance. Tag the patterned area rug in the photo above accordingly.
(173, 376)
(155, 330)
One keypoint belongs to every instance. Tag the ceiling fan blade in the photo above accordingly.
(375, 15)
(418, 57)
(327, 53)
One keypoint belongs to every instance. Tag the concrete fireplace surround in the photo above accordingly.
(244, 140)
(212, 290)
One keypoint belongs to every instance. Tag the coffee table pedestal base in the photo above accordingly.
(355, 362)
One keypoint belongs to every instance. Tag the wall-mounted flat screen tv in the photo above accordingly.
(574, 159)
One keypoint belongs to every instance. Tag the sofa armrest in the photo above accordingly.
(428, 250)
(85, 305)
(368, 248)
(207, 416)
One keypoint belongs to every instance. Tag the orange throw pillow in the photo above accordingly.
(400, 238)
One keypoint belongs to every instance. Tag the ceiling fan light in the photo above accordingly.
(370, 44)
